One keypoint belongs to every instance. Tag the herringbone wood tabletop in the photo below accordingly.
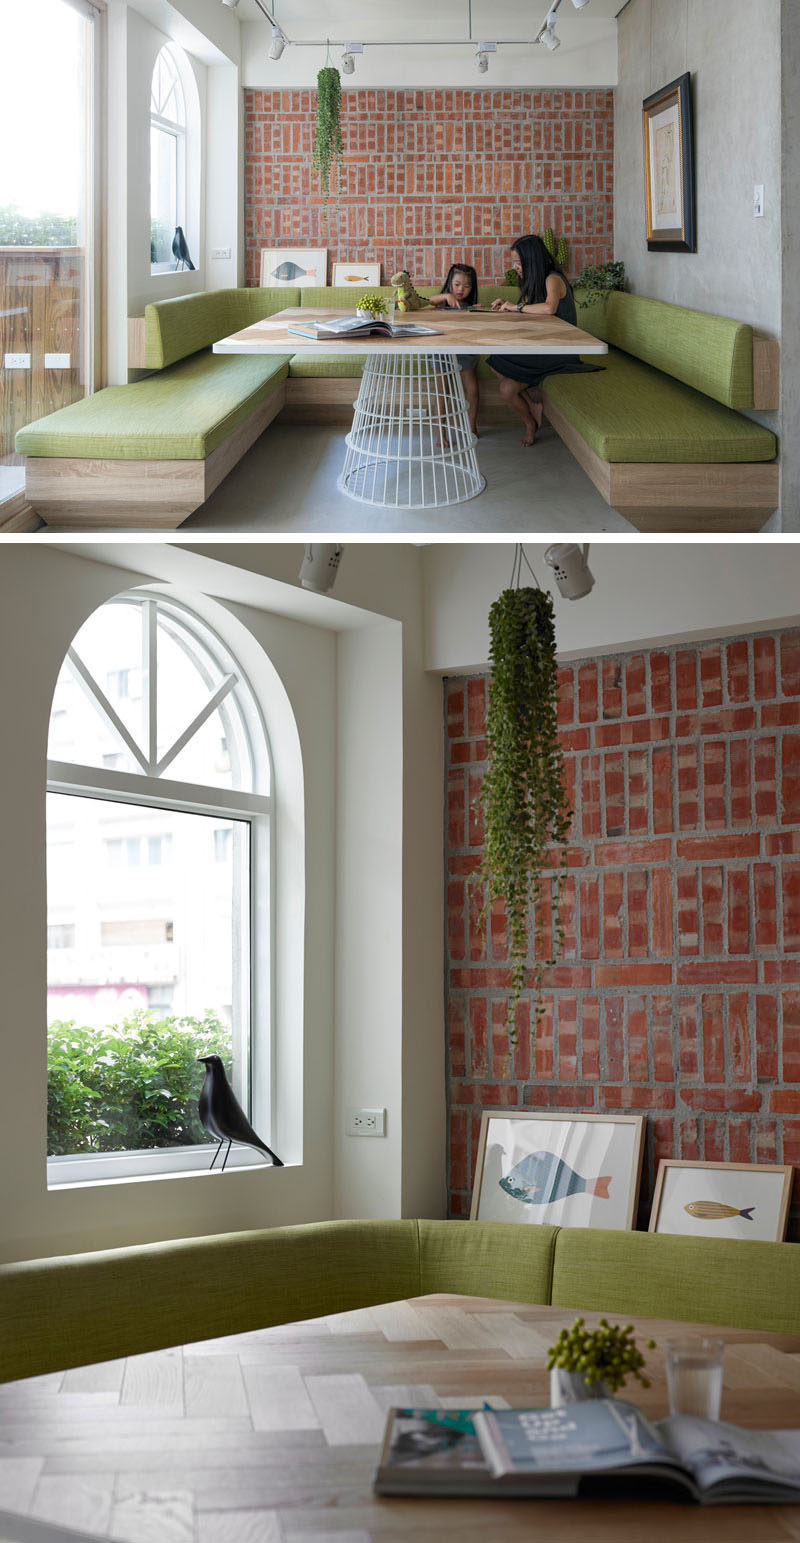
(272, 1437)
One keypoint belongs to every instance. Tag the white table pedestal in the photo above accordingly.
(411, 446)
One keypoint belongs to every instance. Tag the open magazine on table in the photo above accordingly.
(355, 327)
(599, 1446)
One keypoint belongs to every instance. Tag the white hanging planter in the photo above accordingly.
(572, 1388)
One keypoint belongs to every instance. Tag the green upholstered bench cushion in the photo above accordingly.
(344, 296)
(632, 413)
(487, 1259)
(695, 1280)
(73, 1310)
(181, 414)
(319, 366)
(712, 354)
(174, 329)
(303, 366)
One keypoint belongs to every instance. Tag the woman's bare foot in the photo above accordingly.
(536, 407)
(529, 437)
(474, 427)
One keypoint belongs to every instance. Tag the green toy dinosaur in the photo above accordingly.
(407, 297)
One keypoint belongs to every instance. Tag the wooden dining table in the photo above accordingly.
(273, 1436)
(411, 445)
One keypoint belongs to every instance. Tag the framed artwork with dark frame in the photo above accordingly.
(722, 1200)
(669, 183)
(567, 1170)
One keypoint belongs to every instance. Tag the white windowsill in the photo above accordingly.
(136, 1167)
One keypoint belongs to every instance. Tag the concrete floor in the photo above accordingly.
(287, 482)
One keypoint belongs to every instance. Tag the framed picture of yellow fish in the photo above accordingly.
(356, 275)
(294, 267)
(565, 1170)
(722, 1200)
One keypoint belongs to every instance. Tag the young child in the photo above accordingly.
(458, 292)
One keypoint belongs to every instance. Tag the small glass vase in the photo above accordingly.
(572, 1388)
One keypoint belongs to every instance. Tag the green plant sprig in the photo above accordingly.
(599, 281)
(606, 1354)
(374, 304)
(526, 807)
(327, 156)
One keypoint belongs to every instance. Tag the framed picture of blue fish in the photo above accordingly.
(722, 1200)
(564, 1170)
(293, 267)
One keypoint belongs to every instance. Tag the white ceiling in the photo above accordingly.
(374, 20)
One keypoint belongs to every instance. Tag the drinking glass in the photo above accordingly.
(694, 1376)
(391, 303)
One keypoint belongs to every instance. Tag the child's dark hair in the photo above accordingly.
(447, 287)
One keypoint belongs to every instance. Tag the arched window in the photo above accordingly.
(158, 927)
(167, 159)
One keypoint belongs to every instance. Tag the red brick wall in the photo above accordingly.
(432, 177)
(678, 993)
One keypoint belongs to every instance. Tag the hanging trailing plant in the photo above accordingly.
(327, 156)
(525, 803)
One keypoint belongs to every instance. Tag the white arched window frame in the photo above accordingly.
(168, 151)
(248, 801)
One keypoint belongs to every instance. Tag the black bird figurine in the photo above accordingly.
(222, 1114)
(180, 250)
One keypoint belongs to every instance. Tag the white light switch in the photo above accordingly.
(758, 200)
(56, 361)
(219, 252)
(17, 361)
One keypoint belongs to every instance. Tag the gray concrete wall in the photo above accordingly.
(736, 270)
(733, 50)
(790, 331)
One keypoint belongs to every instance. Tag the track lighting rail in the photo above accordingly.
(545, 35)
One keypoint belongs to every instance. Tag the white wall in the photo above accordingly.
(208, 34)
(144, 45)
(53, 591)
(587, 58)
(369, 723)
(645, 592)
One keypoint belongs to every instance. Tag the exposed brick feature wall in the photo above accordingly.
(432, 177)
(678, 992)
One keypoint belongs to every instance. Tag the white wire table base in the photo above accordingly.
(411, 445)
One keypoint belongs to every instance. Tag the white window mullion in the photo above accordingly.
(197, 723)
(150, 639)
(99, 699)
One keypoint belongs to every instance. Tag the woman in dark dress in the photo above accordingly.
(544, 291)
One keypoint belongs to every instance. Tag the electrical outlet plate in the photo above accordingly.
(56, 361)
(219, 253)
(366, 1122)
(17, 361)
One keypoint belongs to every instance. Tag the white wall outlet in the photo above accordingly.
(17, 361)
(219, 253)
(758, 200)
(366, 1122)
(56, 361)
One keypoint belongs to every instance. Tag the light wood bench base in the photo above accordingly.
(677, 497)
(138, 495)
(159, 495)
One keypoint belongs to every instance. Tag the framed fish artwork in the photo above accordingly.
(722, 1200)
(294, 267)
(357, 275)
(564, 1170)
